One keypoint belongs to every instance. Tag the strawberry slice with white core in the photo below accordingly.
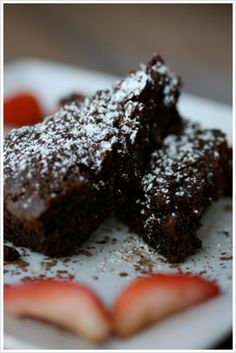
(147, 300)
(70, 305)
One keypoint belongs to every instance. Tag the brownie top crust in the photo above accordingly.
(184, 165)
(74, 142)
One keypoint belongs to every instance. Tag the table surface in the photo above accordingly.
(195, 40)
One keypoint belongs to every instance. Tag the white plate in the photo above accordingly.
(103, 261)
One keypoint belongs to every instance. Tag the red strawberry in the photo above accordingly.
(72, 306)
(22, 109)
(147, 300)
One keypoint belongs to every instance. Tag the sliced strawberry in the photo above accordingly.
(22, 109)
(147, 300)
(72, 306)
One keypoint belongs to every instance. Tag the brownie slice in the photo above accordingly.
(65, 175)
(182, 179)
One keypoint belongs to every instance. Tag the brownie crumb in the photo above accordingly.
(49, 264)
(42, 276)
(10, 254)
(224, 232)
(226, 258)
(123, 274)
(62, 272)
(26, 279)
(85, 253)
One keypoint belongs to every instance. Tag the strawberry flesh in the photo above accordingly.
(70, 305)
(147, 300)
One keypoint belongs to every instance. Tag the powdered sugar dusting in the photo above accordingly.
(132, 86)
(175, 169)
(168, 80)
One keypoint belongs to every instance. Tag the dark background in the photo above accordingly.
(195, 40)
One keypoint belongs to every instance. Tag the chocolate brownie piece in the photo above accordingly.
(182, 178)
(66, 174)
